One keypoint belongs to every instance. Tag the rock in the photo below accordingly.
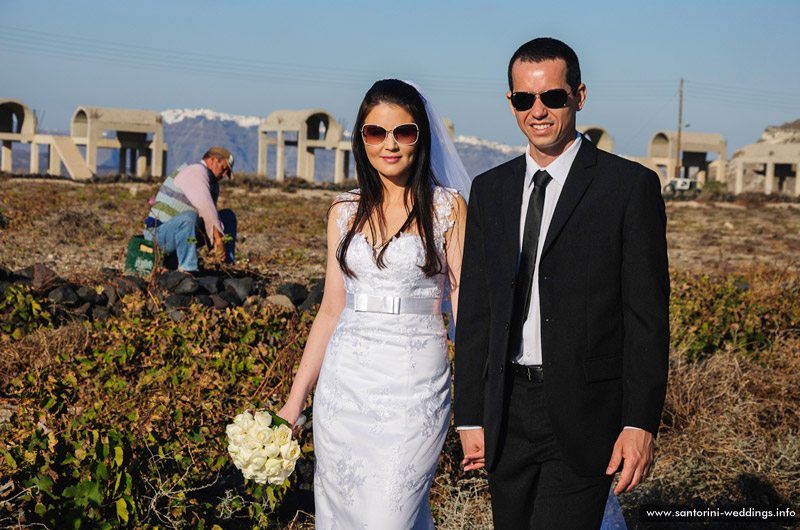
(281, 300)
(219, 302)
(209, 283)
(241, 286)
(128, 285)
(111, 295)
(101, 313)
(90, 294)
(169, 281)
(188, 286)
(175, 315)
(231, 297)
(117, 309)
(63, 295)
(742, 285)
(84, 310)
(6, 275)
(294, 291)
(177, 300)
(204, 300)
(314, 297)
(39, 275)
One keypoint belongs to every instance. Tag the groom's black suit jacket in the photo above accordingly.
(604, 294)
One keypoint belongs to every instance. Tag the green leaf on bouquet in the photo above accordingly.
(277, 420)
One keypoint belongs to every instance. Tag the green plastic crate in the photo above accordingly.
(141, 257)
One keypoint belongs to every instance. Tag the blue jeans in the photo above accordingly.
(185, 232)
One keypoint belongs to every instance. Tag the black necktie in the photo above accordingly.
(527, 258)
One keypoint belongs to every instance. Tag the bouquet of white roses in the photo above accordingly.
(261, 446)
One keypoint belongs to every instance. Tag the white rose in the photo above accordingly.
(290, 451)
(263, 418)
(257, 461)
(262, 435)
(282, 435)
(244, 420)
(288, 466)
(233, 430)
(271, 450)
(248, 449)
(273, 467)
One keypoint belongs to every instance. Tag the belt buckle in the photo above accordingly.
(363, 303)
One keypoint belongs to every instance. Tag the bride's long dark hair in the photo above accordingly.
(419, 188)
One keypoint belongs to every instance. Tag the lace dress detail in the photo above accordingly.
(382, 404)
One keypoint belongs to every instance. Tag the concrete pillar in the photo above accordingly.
(739, 185)
(701, 177)
(5, 157)
(261, 168)
(769, 178)
(722, 169)
(309, 173)
(143, 167)
(123, 155)
(302, 136)
(338, 166)
(34, 158)
(157, 156)
(55, 161)
(797, 179)
(279, 161)
(92, 134)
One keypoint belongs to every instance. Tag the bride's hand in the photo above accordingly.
(291, 414)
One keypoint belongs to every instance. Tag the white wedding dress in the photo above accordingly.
(382, 404)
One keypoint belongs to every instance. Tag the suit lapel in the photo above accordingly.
(511, 205)
(578, 180)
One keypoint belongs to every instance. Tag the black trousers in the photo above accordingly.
(532, 487)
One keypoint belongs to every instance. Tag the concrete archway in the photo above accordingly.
(598, 136)
(19, 124)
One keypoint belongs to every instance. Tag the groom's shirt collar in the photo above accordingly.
(558, 168)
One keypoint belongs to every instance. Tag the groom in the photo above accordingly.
(562, 337)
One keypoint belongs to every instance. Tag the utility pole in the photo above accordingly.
(680, 126)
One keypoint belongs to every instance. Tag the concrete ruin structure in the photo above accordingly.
(777, 161)
(147, 154)
(314, 129)
(17, 124)
(132, 127)
(662, 151)
(598, 136)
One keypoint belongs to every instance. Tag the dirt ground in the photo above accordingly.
(80, 228)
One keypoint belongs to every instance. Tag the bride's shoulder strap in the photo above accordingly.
(344, 208)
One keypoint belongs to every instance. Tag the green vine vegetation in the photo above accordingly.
(120, 423)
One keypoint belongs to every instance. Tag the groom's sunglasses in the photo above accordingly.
(552, 99)
(405, 134)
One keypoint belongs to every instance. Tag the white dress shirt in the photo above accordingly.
(530, 351)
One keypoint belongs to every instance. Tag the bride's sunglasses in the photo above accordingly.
(552, 99)
(405, 134)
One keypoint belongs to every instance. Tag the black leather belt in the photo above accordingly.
(532, 372)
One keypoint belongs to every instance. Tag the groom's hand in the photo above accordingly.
(472, 444)
(634, 448)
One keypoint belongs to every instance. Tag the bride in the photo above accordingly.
(377, 350)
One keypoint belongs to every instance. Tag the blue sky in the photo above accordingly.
(739, 59)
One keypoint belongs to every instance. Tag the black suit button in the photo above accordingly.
(512, 284)
(508, 326)
(502, 368)
(547, 277)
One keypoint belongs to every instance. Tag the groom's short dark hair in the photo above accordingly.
(543, 49)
